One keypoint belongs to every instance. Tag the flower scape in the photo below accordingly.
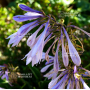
(66, 72)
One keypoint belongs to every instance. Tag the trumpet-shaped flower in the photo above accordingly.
(36, 52)
(68, 78)
(31, 39)
(16, 37)
(52, 73)
(30, 15)
(73, 52)
(64, 53)
(26, 8)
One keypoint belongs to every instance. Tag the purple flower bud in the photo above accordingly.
(73, 52)
(26, 8)
(31, 39)
(21, 18)
(75, 69)
(64, 53)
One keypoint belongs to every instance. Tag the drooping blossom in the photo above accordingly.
(68, 79)
(64, 53)
(52, 73)
(36, 43)
(79, 80)
(35, 54)
(62, 74)
(32, 38)
(30, 15)
(16, 37)
(4, 72)
(73, 52)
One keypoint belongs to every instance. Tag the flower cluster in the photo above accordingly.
(69, 78)
(9, 72)
(4, 72)
(61, 78)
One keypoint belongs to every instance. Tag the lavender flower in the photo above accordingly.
(36, 43)
(31, 40)
(79, 79)
(64, 53)
(69, 79)
(36, 53)
(73, 53)
(16, 37)
(52, 73)
(63, 75)
(30, 15)
(4, 72)
(26, 8)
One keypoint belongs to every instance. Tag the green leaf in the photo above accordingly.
(35, 71)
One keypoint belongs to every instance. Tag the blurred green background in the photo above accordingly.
(75, 11)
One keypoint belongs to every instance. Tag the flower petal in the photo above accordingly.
(37, 49)
(1, 66)
(50, 61)
(73, 52)
(69, 84)
(23, 29)
(63, 85)
(47, 39)
(54, 81)
(33, 14)
(26, 8)
(11, 35)
(28, 60)
(77, 84)
(13, 38)
(3, 76)
(49, 74)
(6, 75)
(45, 68)
(59, 83)
(32, 38)
(56, 63)
(40, 41)
(21, 18)
(85, 86)
(16, 37)
(64, 53)
(75, 69)
(81, 30)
